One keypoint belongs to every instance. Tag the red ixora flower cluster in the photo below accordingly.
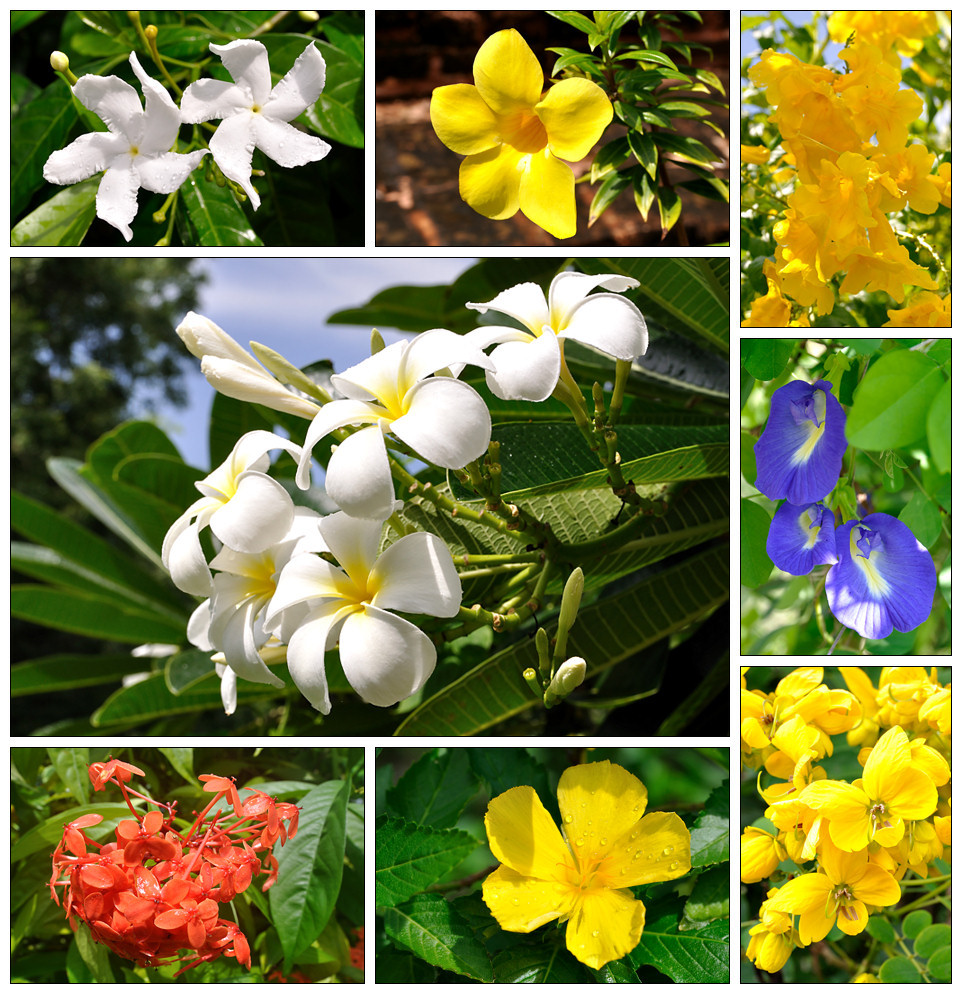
(154, 895)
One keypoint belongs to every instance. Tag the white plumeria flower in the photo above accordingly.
(135, 151)
(442, 419)
(234, 372)
(253, 114)
(245, 508)
(385, 658)
(232, 619)
(528, 363)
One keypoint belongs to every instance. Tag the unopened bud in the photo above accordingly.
(570, 602)
(308, 15)
(59, 62)
(531, 679)
(570, 674)
(151, 32)
(544, 656)
(377, 341)
(287, 372)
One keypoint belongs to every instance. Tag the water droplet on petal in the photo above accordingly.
(674, 866)
(568, 819)
(515, 902)
(594, 935)
(668, 850)
(604, 842)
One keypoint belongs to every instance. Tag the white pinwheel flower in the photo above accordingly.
(527, 364)
(442, 419)
(133, 153)
(385, 658)
(234, 372)
(245, 508)
(255, 116)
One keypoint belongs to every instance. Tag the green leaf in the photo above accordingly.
(862, 346)
(63, 220)
(71, 766)
(940, 965)
(756, 564)
(19, 19)
(880, 928)
(181, 758)
(711, 188)
(938, 427)
(749, 468)
(338, 113)
(891, 404)
(607, 193)
(693, 957)
(766, 358)
(309, 869)
(923, 518)
(709, 832)
(688, 149)
(185, 669)
(38, 130)
(609, 157)
(434, 790)
(899, 970)
(619, 971)
(409, 858)
(706, 76)
(643, 55)
(217, 217)
(544, 963)
(709, 897)
(683, 108)
(502, 769)
(575, 19)
(608, 631)
(914, 922)
(45, 836)
(433, 929)
(669, 209)
(644, 189)
(931, 938)
(70, 670)
(95, 956)
(645, 151)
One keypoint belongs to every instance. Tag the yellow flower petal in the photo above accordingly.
(889, 755)
(507, 73)
(522, 904)
(574, 113)
(756, 154)
(490, 182)
(657, 848)
(600, 799)
(523, 835)
(804, 893)
(878, 887)
(462, 120)
(852, 918)
(814, 925)
(910, 794)
(547, 195)
(606, 926)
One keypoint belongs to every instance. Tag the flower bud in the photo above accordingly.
(570, 674)
(570, 602)
(254, 385)
(59, 62)
(531, 679)
(308, 15)
(151, 32)
(377, 341)
(544, 655)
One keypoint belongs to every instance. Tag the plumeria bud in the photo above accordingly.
(570, 602)
(377, 341)
(544, 655)
(531, 678)
(287, 372)
(570, 674)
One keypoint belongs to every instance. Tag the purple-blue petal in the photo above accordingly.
(801, 538)
(884, 577)
(799, 455)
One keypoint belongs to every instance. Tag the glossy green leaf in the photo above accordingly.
(309, 869)
(63, 220)
(923, 518)
(185, 669)
(432, 928)
(914, 922)
(607, 632)
(642, 55)
(899, 970)
(338, 113)
(932, 938)
(217, 218)
(709, 832)
(609, 157)
(607, 193)
(71, 765)
(545, 963)
(709, 897)
(181, 758)
(689, 149)
(409, 858)
(699, 956)
(891, 403)
(669, 209)
(938, 427)
(766, 358)
(95, 955)
(644, 189)
(756, 566)
(575, 19)
(434, 790)
(645, 151)
(38, 130)
(706, 76)
(711, 189)
(69, 670)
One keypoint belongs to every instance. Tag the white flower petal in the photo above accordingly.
(305, 654)
(165, 173)
(305, 578)
(359, 478)
(525, 303)
(117, 196)
(385, 658)
(161, 120)
(374, 378)
(610, 324)
(526, 370)
(198, 625)
(284, 144)
(567, 290)
(240, 649)
(114, 101)
(246, 60)
(228, 690)
(208, 99)
(331, 416)
(258, 515)
(254, 385)
(494, 334)
(438, 349)
(416, 574)
(232, 146)
(186, 562)
(82, 158)
(299, 88)
(447, 422)
(353, 542)
(204, 338)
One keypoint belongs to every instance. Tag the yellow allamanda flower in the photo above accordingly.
(874, 809)
(515, 138)
(582, 876)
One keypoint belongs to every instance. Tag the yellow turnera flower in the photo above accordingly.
(842, 888)
(874, 809)
(515, 138)
(581, 876)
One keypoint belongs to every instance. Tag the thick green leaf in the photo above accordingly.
(658, 58)
(931, 938)
(95, 955)
(709, 833)
(63, 220)
(184, 669)
(711, 188)
(756, 566)
(409, 858)
(607, 632)
(891, 404)
(608, 193)
(545, 963)
(38, 130)
(899, 970)
(709, 897)
(433, 929)
(880, 928)
(688, 149)
(644, 188)
(309, 869)
(669, 209)
(938, 426)
(217, 217)
(609, 157)
(575, 19)
(766, 358)
(71, 766)
(940, 965)
(45, 836)
(181, 758)
(86, 614)
(67, 671)
(434, 790)
(619, 971)
(693, 957)
(923, 517)
(338, 113)
(645, 151)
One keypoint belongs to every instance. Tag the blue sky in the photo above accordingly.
(284, 303)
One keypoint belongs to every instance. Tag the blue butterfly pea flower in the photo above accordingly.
(799, 455)
(884, 577)
(801, 538)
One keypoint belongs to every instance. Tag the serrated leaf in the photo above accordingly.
(709, 897)
(434, 790)
(545, 963)
(62, 221)
(409, 857)
(432, 928)
(709, 832)
(694, 957)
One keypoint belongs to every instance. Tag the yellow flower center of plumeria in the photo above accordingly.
(523, 131)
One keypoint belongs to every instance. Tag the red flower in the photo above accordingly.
(100, 773)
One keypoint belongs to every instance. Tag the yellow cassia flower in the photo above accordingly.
(609, 844)
(842, 888)
(515, 139)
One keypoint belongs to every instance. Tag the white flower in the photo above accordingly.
(442, 419)
(253, 114)
(135, 151)
(232, 371)
(384, 658)
(528, 363)
(245, 508)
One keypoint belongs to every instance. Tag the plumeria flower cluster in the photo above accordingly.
(845, 144)
(583, 873)
(848, 844)
(289, 584)
(153, 893)
(139, 147)
(880, 577)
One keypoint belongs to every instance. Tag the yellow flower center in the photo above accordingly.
(523, 131)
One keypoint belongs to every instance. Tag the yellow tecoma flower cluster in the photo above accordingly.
(846, 137)
(582, 874)
(851, 843)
